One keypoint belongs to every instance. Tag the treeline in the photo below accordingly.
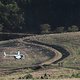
(39, 16)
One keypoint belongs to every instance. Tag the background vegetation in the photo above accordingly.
(31, 15)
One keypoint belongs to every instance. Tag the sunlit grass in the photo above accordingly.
(69, 41)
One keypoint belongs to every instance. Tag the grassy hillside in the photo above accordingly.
(67, 41)
(39, 49)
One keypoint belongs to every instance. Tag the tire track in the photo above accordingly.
(60, 50)
(55, 58)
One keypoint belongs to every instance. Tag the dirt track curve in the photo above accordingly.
(58, 54)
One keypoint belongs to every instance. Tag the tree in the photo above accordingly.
(11, 17)
(45, 28)
(73, 28)
(60, 29)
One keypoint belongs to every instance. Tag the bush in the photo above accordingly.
(45, 76)
(42, 77)
(60, 29)
(73, 28)
(45, 28)
(76, 75)
(29, 76)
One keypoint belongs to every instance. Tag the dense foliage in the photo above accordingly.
(30, 15)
